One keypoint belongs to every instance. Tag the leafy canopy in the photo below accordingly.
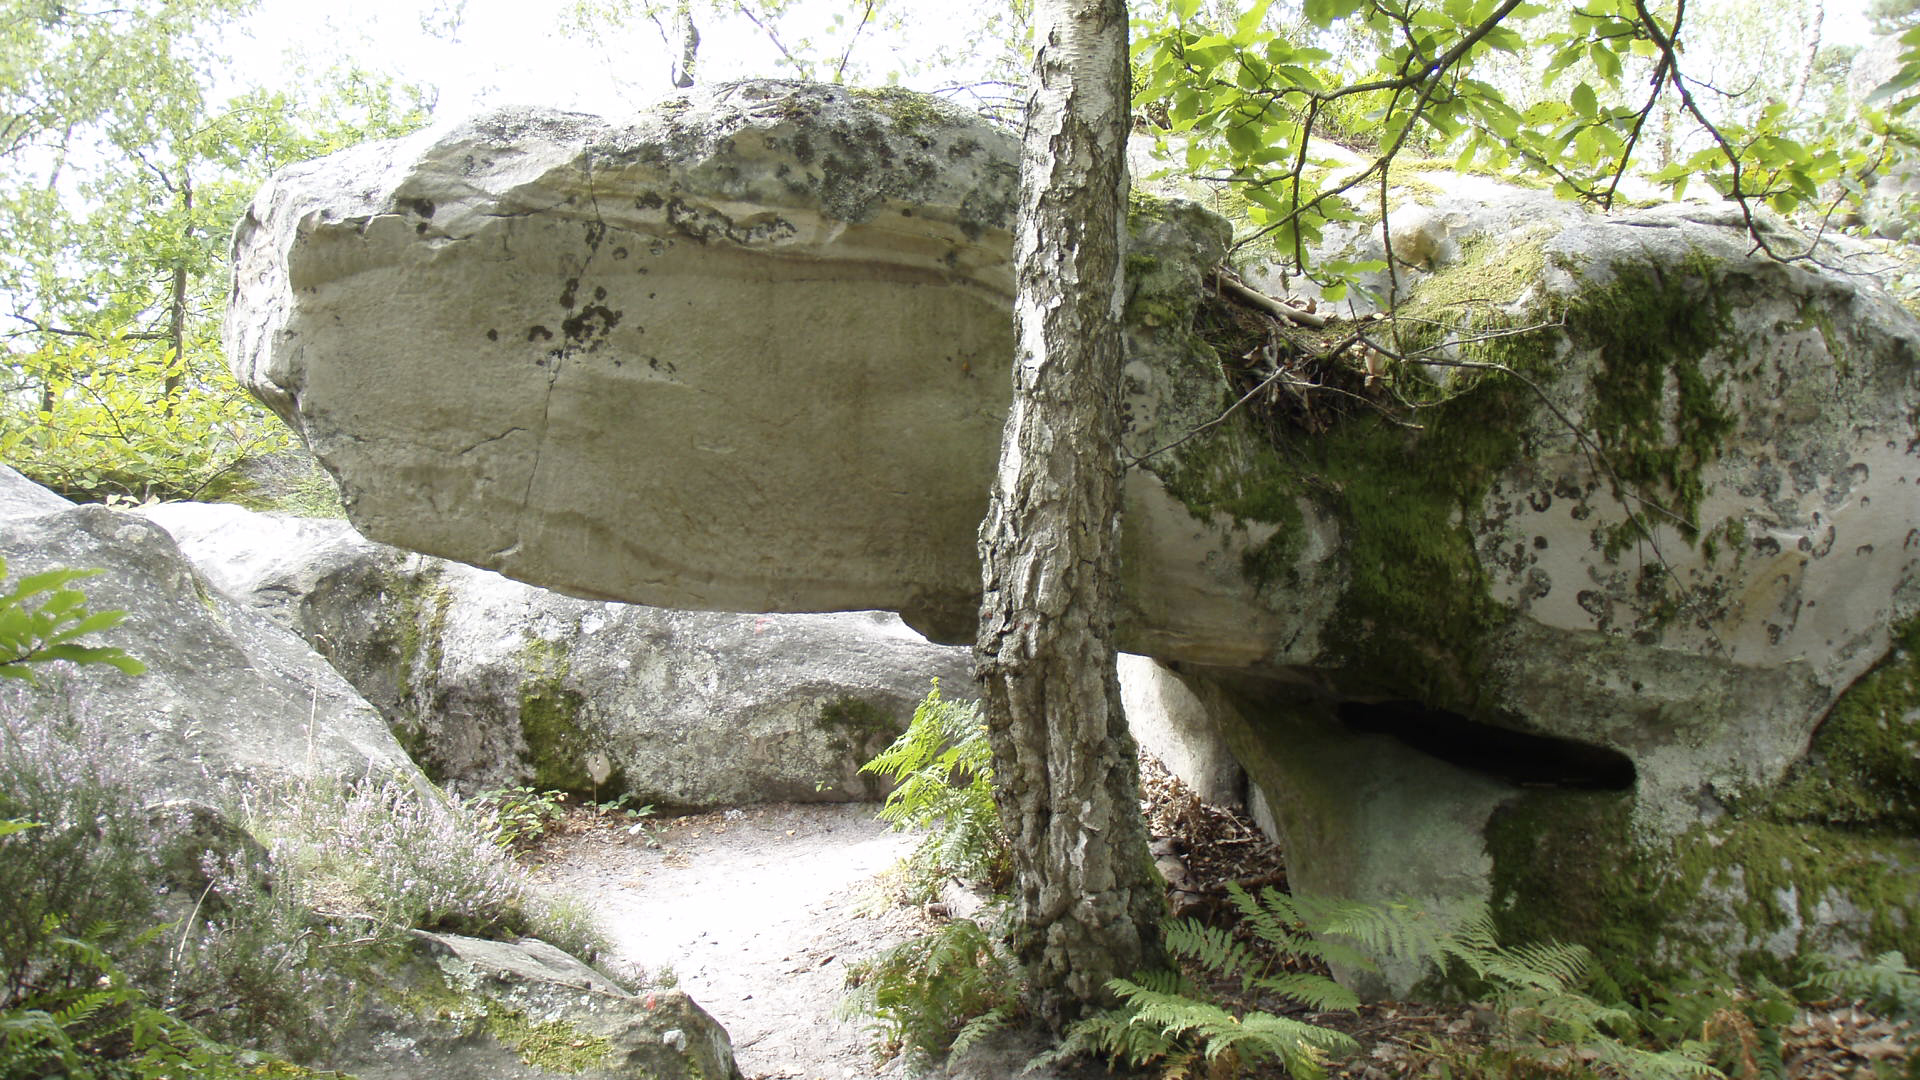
(122, 173)
(1299, 117)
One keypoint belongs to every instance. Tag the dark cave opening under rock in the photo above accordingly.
(1518, 757)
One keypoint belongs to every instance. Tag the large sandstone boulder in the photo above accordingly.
(1660, 520)
(227, 693)
(491, 682)
(1602, 652)
(746, 352)
(231, 698)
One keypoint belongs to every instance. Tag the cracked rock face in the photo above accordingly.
(749, 351)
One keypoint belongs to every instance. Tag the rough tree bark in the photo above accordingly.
(1086, 904)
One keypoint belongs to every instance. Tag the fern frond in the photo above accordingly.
(1212, 948)
(1114, 1034)
(1272, 916)
(980, 1027)
(1303, 1048)
(1316, 992)
(1638, 1064)
(1887, 980)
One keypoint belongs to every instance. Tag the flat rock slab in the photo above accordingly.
(748, 351)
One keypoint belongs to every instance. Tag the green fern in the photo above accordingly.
(1164, 1023)
(943, 769)
(1548, 1026)
(104, 1028)
(1887, 982)
(1217, 1035)
(939, 993)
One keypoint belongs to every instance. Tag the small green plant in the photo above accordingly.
(938, 993)
(519, 817)
(41, 618)
(1164, 1022)
(636, 815)
(943, 769)
(385, 852)
(103, 1027)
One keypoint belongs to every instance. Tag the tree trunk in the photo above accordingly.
(1087, 906)
(177, 317)
(681, 71)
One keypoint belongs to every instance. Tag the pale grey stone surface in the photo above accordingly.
(749, 351)
(1179, 721)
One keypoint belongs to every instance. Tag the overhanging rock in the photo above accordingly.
(746, 352)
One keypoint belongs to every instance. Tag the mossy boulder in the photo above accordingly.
(1656, 516)
(1621, 483)
(490, 682)
(443, 1005)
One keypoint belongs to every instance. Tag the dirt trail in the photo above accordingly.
(756, 911)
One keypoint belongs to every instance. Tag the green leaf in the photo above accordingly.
(1606, 62)
(1324, 13)
(1249, 24)
(1583, 101)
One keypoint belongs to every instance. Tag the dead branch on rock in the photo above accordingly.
(1227, 281)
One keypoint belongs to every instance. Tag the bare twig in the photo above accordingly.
(866, 15)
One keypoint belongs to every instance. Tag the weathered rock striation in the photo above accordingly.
(1646, 499)
(490, 682)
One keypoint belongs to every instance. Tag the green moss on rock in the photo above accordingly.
(909, 110)
(552, 721)
(414, 638)
(1863, 771)
(1655, 412)
(552, 1045)
(1834, 843)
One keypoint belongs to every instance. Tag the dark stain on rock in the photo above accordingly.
(590, 327)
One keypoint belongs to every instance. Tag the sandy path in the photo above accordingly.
(757, 912)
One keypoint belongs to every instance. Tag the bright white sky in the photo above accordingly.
(509, 51)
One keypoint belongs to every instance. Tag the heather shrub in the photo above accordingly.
(385, 853)
(84, 865)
